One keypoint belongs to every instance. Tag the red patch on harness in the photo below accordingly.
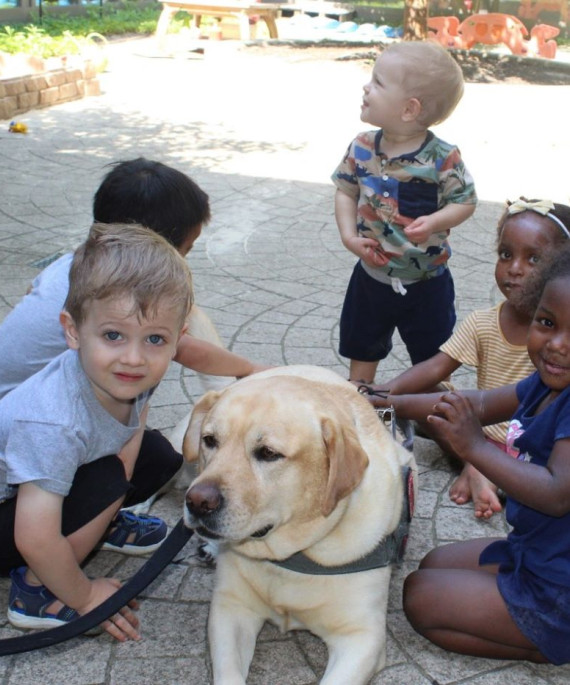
(411, 494)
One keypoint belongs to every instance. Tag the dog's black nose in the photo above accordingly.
(203, 498)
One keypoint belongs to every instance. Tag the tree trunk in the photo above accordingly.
(415, 19)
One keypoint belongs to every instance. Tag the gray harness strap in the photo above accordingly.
(388, 551)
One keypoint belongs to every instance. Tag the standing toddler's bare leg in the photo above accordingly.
(362, 371)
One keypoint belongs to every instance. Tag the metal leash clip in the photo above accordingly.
(402, 430)
(388, 417)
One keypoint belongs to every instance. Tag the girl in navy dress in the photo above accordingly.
(509, 598)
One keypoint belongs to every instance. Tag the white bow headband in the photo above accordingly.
(543, 207)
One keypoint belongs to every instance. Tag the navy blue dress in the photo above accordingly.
(534, 571)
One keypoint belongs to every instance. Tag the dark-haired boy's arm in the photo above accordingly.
(205, 357)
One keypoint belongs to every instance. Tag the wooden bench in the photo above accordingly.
(242, 11)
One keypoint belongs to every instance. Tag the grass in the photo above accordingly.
(63, 34)
(108, 20)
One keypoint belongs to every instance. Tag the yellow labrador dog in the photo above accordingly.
(297, 476)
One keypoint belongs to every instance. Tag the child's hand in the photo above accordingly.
(367, 249)
(456, 424)
(122, 625)
(421, 229)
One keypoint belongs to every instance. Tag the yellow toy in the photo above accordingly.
(17, 127)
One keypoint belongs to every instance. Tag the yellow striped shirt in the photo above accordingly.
(479, 342)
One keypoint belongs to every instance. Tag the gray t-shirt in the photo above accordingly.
(53, 423)
(31, 335)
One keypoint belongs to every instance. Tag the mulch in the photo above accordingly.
(478, 66)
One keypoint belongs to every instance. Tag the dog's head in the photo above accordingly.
(274, 453)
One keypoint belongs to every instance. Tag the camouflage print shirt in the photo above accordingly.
(391, 193)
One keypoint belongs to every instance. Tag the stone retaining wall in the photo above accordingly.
(31, 91)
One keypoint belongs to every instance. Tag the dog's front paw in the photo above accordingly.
(208, 551)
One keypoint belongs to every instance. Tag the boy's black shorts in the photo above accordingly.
(95, 487)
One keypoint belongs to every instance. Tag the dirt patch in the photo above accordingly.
(481, 67)
(477, 66)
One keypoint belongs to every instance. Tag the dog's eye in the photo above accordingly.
(209, 441)
(265, 453)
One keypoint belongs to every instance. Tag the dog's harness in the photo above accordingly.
(391, 549)
(388, 551)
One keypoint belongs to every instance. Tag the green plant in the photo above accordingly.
(63, 34)
(34, 40)
(109, 20)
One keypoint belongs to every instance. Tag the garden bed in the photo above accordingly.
(29, 83)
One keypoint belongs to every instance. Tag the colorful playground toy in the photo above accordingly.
(494, 29)
(17, 127)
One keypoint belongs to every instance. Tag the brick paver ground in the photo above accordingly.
(261, 134)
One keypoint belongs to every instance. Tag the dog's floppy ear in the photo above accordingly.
(191, 442)
(347, 462)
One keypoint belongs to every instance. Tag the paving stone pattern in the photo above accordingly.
(261, 134)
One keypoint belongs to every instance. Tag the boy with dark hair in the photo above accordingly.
(140, 191)
(154, 195)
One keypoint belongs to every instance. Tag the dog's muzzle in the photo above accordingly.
(203, 502)
(203, 499)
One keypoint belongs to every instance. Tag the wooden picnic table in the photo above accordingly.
(242, 11)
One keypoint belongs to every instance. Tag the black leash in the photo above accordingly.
(176, 540)
(368, 389)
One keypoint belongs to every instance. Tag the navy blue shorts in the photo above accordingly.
(541, 612)
(95, 487)
(372, 311)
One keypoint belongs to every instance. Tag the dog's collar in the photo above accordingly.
(388, 551)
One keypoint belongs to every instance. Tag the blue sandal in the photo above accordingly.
(27, 607)
(147, 533)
